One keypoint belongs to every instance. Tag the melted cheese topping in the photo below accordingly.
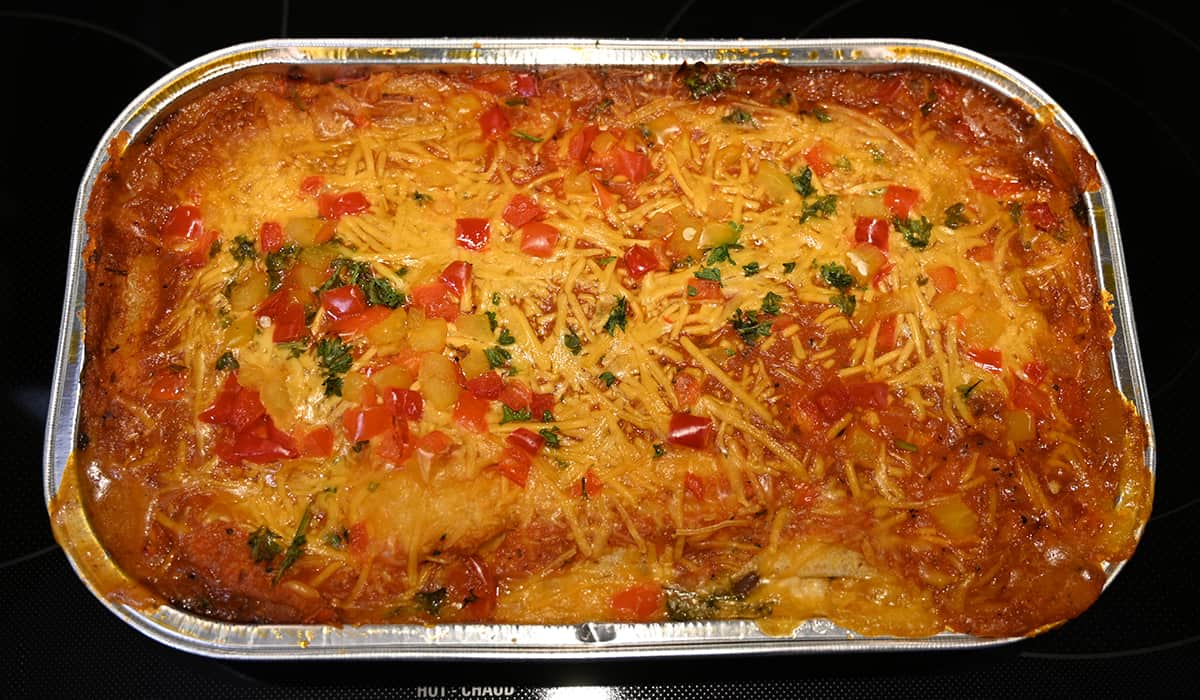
(871, 454)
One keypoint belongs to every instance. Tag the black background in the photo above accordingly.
(1125, 72)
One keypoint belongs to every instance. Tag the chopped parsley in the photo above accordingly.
(836, 276)
(296, 548)
(749, 327)
(511, 416)
(604, 261)
(844, 302)
(495, 298)
(966, 389)
(421, 197)
(915, 231)
(751, 269)
(711, 274)
(336, 539)
(333, 356)
(550, 435)
(821, 208)
(1014, 212)
(803, 183)
(278, 263)
(497, 356)
(491, 317)
(770, 303)
(227, 361)
(740, 117)
(431, 601)
(528, 137)
(788, 267)
(214, 248)
(659, 450)
(903, 445)
(573, 343)
(608, 378)
(265, 544)
(877, 154)
(692, 291)
(720, 254)
(379, 291)
(506, 338)
(616, 317)
(701, 82)
(956, 215)
(243, 249)
(295, 348)
(821, 115)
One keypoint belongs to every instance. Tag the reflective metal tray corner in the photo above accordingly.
(590, 640)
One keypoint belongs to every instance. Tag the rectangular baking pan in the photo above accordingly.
(589, 640)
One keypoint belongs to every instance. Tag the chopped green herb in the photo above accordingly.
(243, 249)
(491, 317)
(616, 317)
(550, 435)
(573, 343)
(421, 197)
(720, 254)
(692, 291)
(956, 215)
(788, 267)
(1014, 212)
(505, 338)
(803, 183)
(495, 298)
(602, 106)
(701, 82)
(372, 486)
(431, 601)
(906, 446)
(547, 417)
(821, 115)
(740, 116)
(528, 137)
(966, 389)
(711, 274)
(516, 102)
(604, 261)
(336, 539)
(645, 132)
(843, 163)
(278, 263)
(296, 348)
(770, 303)
(916, 231)
(877, 154)
(380, 292)
(608, 378)
(749, 327)
(497, 356)
(296, 548)
(821, 207)
(214, 248)
(659, 450)
(845, 302)
(922, 280)
(931, 100)
(511, 416)
(836, 276)
(265, 544)
(227, 361)
(751, 269)
(333, 356)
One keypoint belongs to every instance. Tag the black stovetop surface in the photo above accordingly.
(1124, 71)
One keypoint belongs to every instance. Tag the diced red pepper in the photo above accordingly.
(983, 253)
(404, 403)
(516, 395)
(486, 386)
(868, 229)
(260, 442)
(538, 239)
(634, 166)
(1030, 398)
(366, 422)
(359, 322)
(317, 442)
(687, 430)
(868, 394)
(270, 236)
(527, 84)
(1036, 371)
(358, 538)
(694, 485)
(235, 406)
(184, 223)
(493, 123)
(335, 206)
(437, 299)
(589, 486)
(470, 413)
(526, 439)
(988, 358)
(1042, 216)
(833, 399)
(640, 602)
(604, 198)
(168, 387)
(640, 260)
(900, 200)
(457, 276)
(434, 443)
(687, 389)
(704, 290)
(540, 405)
(514, 464)
(817, 157)
(472, 234)
(581, 143)
(886, 338)
(520, 210)
(996, 187)
(286, 314)
(311, 185)
(341, 302)
(944, 278)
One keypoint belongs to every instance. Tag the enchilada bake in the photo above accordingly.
(634, 345)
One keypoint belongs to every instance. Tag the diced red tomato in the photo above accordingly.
(514, 464)
(687, 430)
(365, 423)
(694, 485)
(640, 260)
(335, 206)
(589, 486)
(516, 395)
(317, 442)
(520, 210)
(311, 185)
(260, 442)
(341, 302)
(538, 239)
(868, 394)
(472, 234)
(286, 314)
(704, 290)
(634, 166)
(184, 223)
(900, 200)
(1042, 216)
(604, 198)
(817, 158)
(1036, 371)
(581, 143)
(168, 387)
(235, 406)
(493, 123)
(868, 229)
(434, 443)
(404, 403)
(270, 236)
(359, 322)
(527, 84)
(983, 253)
(470, 413)
(437, 299)
(944, 278)
(526, 439)
(640, 602)
(996, 187)
(540, 405)
(457, 276)
(987, 358)
(486, 386)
